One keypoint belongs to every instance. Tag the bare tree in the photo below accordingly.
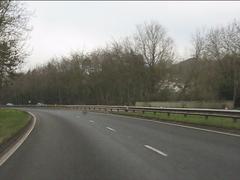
(157, 48)
(198, 43)
(231, 38)
(231, 44)
(214, 44)
(221, 44)
(153, 43)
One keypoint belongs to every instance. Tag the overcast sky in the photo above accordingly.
(62, 27)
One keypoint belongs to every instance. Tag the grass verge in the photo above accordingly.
(11, 122)
(218, 122)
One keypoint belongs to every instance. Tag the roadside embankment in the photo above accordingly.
(12, 122)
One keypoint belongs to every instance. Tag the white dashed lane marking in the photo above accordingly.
(111, 129)
(156, 150)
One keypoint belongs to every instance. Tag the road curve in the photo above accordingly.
(67, 144)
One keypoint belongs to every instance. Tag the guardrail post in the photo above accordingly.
(168, 114)
(117, 110)
(206, 116)
(154, 112)
(134, 110)
(143, 112)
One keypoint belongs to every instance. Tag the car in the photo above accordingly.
(9, 104)
(40, 104)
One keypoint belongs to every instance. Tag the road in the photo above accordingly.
(70, 145)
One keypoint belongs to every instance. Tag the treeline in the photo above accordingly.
(141, 67)
(102, 77)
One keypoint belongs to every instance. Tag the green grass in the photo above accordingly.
(11, 121)
(220, 122)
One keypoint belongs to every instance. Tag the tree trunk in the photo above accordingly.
(236, 83)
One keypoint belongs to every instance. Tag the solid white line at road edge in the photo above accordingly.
(10, 152)
(155, 150)
(174, 124)
(111, 129)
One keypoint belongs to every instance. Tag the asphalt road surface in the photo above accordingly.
(70, 145)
